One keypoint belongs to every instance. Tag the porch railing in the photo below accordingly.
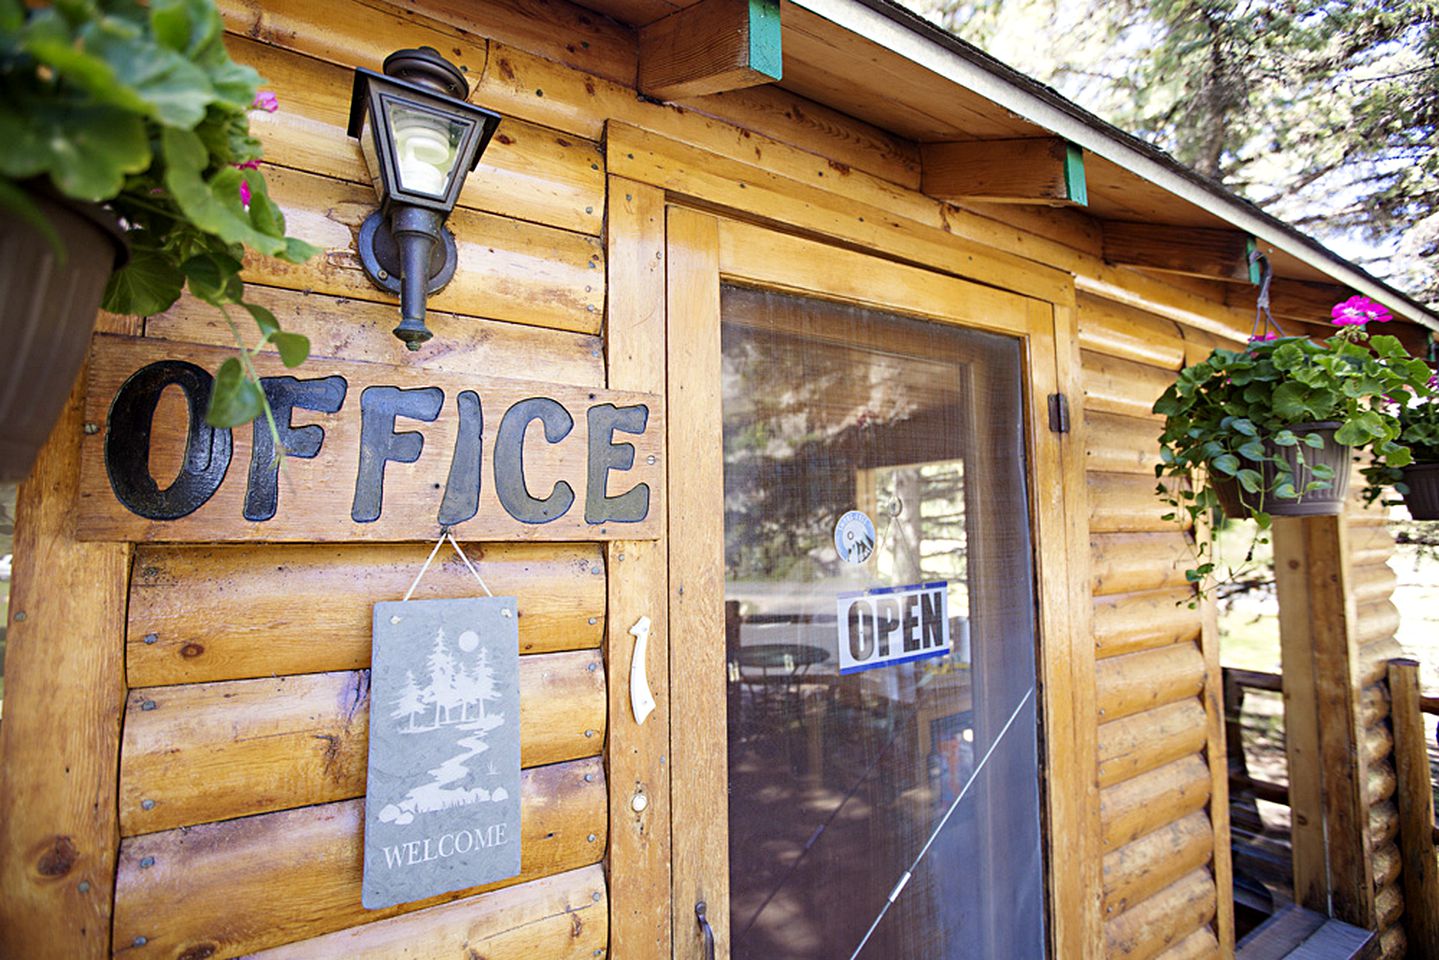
(1261, 845)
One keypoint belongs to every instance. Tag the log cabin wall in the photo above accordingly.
(244, 692)
(1371, 546)
(1163, 809)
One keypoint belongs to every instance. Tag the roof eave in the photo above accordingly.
(921, 42)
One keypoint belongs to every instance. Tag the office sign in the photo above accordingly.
(442, 793)
(374, 452)
(891, 625)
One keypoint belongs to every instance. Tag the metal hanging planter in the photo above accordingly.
(52, 296)
(1422, 500)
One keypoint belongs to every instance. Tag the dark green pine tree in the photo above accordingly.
(1324, 112)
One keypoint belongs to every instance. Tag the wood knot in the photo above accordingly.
(192, 650)
(59, 858)
(198, 952)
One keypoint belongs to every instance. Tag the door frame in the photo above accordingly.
(704, 250)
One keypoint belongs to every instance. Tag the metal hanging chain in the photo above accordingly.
(445, 534)
(1263, 319)
(905, 877)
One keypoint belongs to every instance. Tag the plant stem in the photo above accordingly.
(248, 364)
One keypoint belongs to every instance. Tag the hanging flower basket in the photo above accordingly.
(134, 117)
(1422, 498)
(1322, 470)
(52, 293)
(1271, 429)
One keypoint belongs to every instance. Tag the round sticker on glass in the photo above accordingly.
(854, 537)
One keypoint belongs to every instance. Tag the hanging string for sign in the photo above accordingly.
(445, 534)
(934, 834)
(893, 510)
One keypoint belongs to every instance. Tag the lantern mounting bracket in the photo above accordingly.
(380, 256)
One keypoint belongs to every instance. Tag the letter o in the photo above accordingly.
(129, 434)
(861, 629)
(469, 842)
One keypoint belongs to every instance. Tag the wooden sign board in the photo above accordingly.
(375, 452)
(442, 798)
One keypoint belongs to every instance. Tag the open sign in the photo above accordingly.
(889, 625)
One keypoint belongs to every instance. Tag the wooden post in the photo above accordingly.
(1333, 873)
(1415, 797)
(64, 694)
(639, 783)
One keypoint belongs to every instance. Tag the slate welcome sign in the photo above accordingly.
(376, 452)
(442, 794)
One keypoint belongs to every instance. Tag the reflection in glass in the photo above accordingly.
(837, 782)
(425, 145)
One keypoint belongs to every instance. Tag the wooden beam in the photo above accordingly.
(1333, 872)
(711, 47)
(1415, 798)
(1194, 251)
(1298, 299)
(1036, 170)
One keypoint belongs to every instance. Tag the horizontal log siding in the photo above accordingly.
(1160, 897)
(242, 885)
(212, 751)
(562, 917)
(242, 768)
(1376, 619)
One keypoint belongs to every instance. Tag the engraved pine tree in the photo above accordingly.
(410, 702)
(441, 690)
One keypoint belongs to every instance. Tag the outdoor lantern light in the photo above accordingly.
(420, 138)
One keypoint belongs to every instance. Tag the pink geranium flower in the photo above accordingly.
(247, 165)
(1357, 311)
(1264, 337)
(245, 194)
(267, 101)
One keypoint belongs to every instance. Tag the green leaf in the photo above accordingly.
(169, 87)
(1253, 450)
(1227, 464)
(264, 319)
(235, 399)
(1246, 427)
(1251, 480)
(87, 150)
(297, 250)
(12, 16)
(293, 347)
(214, 206)
(211, 276)
(1295, 401)
(149, 284)
(1313, 440)
(1284, 438)
(185, 26)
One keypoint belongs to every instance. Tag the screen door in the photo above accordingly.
(866, 459)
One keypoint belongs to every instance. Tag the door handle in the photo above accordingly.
(642, 701)
(705, 930)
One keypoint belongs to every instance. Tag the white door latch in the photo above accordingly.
(642, 701)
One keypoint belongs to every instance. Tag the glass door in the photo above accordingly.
(880, 636)
(858, 437)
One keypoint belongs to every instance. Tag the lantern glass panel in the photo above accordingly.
(425, 144)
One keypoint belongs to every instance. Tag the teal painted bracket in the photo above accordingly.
(1074, 186)
(1254, 273)
(765, 53)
